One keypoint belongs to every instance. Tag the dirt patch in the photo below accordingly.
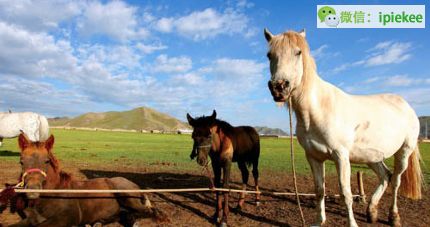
(196, 209)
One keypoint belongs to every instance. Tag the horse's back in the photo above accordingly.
(246, 144)
(34, 125)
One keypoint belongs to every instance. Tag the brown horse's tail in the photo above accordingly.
(412, 179)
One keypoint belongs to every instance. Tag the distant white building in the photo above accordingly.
(185, 131)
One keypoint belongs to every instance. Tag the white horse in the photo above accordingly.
(344, 128)
(35, 126)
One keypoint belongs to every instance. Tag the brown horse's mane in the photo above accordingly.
(65, 178)
(226, 127)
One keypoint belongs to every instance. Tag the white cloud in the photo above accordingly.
(164, 64)
(188, 79)
(38, 15)
(389, 53)
(372, 80)
(29, 54)
(319, 52)
(399, 81)
(241, 69)
(206, 24)
(20, 94)
(244, 4)
(115, 58)
(165, 24)
(383, 53)
(150, 48)
(115, 19)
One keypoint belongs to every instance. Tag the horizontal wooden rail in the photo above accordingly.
(169, 190)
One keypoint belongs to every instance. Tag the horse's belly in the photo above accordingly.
(100, 210)
(373, 150)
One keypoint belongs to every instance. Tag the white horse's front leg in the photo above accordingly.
(341, 159)
(318, 172)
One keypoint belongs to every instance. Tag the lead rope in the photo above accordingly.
(293, 166)
(208, 172)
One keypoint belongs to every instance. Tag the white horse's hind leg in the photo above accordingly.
(384, 175)
(400, 165)
(343, 167)
(318, 172)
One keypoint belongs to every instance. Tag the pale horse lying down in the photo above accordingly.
(344, 128)
(34, 125)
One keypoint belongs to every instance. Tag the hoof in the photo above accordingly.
(216, 218)
(258, 203)
(394, 220)
(238, 209)
(223, 224)
(316, 225)
(372, 215)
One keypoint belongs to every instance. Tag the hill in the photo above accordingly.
(141, 118)
(270, 131)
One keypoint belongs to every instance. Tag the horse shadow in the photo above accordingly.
(183, 200)
(9, 153)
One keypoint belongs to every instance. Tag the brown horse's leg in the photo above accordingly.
(245, 176)
(226, 184)
(22, 223)
(60, 220)
(138, 204)
(217, 181)
(255, 175)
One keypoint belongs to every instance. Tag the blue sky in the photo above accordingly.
(64, 58)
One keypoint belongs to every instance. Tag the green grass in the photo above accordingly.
(137, 149)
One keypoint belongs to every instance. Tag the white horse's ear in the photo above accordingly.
(303, 33)
(268, 34)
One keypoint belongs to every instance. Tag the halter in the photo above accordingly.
(204, 146)
(27, 172)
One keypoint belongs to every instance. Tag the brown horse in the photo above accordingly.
(225, 144)
(40, 170)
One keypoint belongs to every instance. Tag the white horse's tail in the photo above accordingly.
(412, 179)
(43, 128)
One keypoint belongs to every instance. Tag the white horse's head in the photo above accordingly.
(287, 54)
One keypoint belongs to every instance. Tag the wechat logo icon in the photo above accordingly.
(328, 15)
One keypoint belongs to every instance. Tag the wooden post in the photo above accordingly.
(362, 198)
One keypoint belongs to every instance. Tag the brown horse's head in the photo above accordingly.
(36, 161)
(202, 137)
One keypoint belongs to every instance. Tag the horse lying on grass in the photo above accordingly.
(40, 170)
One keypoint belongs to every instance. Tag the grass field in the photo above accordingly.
(171, 151)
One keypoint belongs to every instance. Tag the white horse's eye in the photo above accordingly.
(299, 52)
